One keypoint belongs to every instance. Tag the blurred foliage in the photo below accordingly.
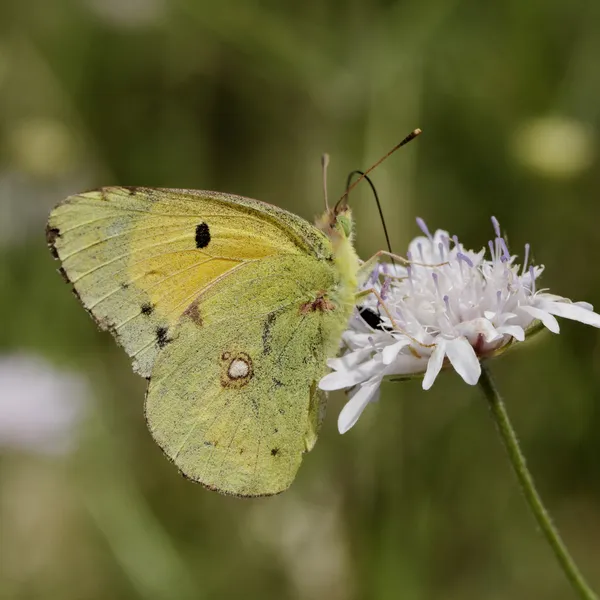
(417, 501)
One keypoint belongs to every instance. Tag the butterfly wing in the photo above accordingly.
(233, 401)
(225, 302)
(138, 257)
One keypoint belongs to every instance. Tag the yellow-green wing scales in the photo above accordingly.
(233, 401)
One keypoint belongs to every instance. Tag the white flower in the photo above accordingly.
(450, 306)
(40, 407)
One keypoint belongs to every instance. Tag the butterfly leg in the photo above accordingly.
(367, 267)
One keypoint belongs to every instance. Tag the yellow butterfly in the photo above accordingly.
(229, 307)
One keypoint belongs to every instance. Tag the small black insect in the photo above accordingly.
(371, 318)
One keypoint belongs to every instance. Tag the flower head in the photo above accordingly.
(448, 306)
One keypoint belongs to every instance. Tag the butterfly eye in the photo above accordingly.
(345, 223)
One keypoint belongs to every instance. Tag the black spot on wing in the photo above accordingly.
(274, 451)
(51, 234)
(266, 334)
(147, 308)
(162, 338)
(202, 235)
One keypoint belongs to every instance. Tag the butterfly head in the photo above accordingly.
(337, 223)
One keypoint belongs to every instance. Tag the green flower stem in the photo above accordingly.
(517, 460)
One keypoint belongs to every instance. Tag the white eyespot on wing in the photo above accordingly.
(238, 368)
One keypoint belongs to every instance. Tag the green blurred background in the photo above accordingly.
(417, 501)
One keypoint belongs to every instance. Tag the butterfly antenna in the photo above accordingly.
(372, 185)
(344, 199)
(324, 165)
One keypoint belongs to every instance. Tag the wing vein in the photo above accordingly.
(248, 211)
(112, 237)
(203, 291)
(189, 268)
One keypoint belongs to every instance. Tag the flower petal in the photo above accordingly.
(356, 340)
(499, 318)
(350, 360)
(512, 330)
(572, 311)
(407, 364)
(357, 403)
(343, 379)
(390, 353)
(434, 366)
(541, 315)
(464, 360)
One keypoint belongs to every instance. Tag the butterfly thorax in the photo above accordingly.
(339, 228)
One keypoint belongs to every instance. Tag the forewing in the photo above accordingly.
(139, 257)
(233, 401)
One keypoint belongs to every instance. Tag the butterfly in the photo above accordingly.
(228, 306)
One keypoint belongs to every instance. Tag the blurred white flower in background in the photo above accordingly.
(450, 307)
(555, 146)
(40, 406)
